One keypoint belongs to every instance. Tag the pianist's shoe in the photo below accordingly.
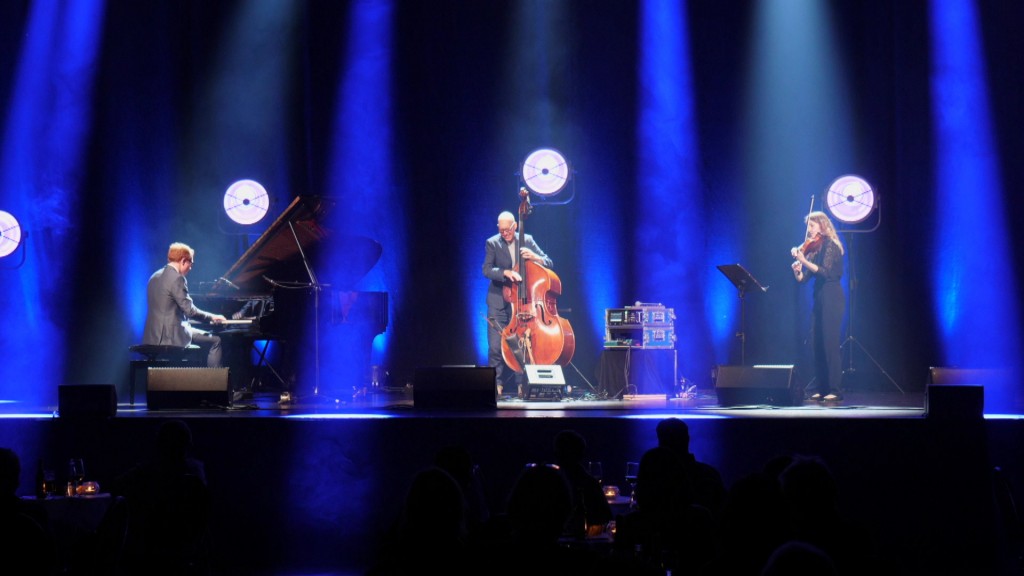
(240, 395)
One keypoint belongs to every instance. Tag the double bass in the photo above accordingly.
(535, 334)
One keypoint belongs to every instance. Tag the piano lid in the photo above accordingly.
(275, 255)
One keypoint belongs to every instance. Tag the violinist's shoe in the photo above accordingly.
(816, 397)
(832, 398)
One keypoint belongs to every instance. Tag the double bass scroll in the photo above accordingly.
(535, 334)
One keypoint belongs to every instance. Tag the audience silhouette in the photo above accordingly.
(457, 461)
(527, 537)
(752, 526)
(25, 539)
(430, 536)
(590, 509)
(167, 508)
(668, 529)
(811, 497)
(796, 558)
(706, 485)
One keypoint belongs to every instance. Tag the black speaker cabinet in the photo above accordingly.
(753, 385)
(956, 393)
(187, 388)
(455, 388)
(87, 400)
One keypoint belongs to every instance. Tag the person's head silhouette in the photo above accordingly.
(570, 446)
(10, 471)
(174, 440)
(674, 434)
(540, 503)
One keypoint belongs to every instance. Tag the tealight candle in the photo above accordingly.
(611, 491)
(89, 488)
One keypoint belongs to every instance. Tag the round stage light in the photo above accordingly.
(10, 233)
(545, 171)
(246, 202)
(850, 199)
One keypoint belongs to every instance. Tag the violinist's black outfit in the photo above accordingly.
(827, 318)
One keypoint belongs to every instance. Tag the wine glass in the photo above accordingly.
(632, 469)
(76, 472)
(49, 487)
(596, 470)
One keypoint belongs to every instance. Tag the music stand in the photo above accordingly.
(316, 287)
(743, 281)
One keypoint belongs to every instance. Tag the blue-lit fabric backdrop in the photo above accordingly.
(697, 133)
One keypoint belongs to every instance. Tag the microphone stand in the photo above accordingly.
(316, 286)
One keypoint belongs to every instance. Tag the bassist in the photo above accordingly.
(501, 268)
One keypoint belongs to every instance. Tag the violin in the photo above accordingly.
(812, 245)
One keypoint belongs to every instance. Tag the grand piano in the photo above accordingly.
(293, 287)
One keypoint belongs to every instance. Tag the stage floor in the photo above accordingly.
(399, 403)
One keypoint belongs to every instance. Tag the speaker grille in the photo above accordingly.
(187, 388)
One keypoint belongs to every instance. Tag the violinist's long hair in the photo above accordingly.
(826, 228)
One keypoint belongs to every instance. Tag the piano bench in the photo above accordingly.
(158, 355)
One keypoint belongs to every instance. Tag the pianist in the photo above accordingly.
(170, 308)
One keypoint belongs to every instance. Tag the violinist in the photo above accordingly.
(500, 258)
(821, 257)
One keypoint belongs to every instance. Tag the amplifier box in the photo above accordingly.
(187, 388)
(640, 315)
(658, 337)
(640, 326)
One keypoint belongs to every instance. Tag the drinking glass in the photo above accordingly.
(76, 472)
(632, 469)
(49, 483)
(596, 470)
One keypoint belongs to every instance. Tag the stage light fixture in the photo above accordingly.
(545, 172)
(246, 202)
(10, 234)
(850, 199)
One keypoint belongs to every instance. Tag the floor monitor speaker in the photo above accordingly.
(755, 385)
(187, 388)
(956, 392)
(544, 381)
(87, 400)
(455, 388)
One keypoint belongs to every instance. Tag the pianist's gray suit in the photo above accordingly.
(170, 307)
